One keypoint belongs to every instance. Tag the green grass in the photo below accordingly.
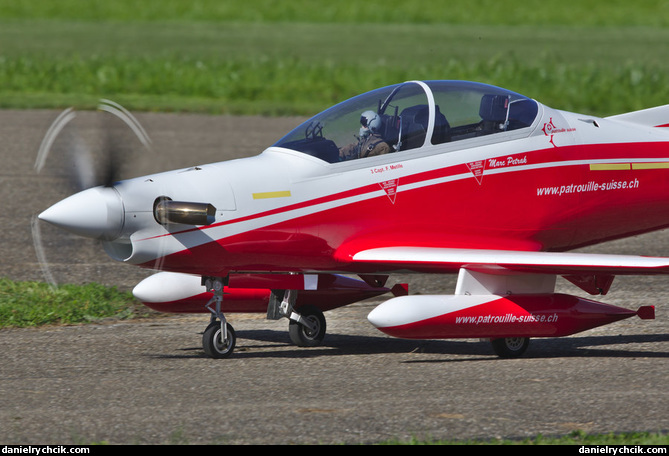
(485, 12)
(26, 304)
(298, 57)
(179, 437)
(574, 438)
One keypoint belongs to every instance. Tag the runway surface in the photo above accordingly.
(149, 381)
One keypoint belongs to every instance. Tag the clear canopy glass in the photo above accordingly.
(412, 115)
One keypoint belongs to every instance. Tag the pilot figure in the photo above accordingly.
(370, 141)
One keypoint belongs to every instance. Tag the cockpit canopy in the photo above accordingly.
(414, 114)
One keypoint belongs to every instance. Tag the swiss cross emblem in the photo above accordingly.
(548, 129)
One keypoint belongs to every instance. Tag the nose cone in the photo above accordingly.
(95, 213)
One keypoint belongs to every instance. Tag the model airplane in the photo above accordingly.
(475, 180)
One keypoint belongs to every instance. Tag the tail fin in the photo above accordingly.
(652, 117)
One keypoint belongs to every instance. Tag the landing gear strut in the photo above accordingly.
(219, 339)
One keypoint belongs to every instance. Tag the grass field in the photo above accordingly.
(299, 57)
(26, 304)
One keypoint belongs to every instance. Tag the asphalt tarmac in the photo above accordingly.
(148, 381)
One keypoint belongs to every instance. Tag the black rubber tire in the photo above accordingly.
(510, 347)
(300, 335)
(212, 344)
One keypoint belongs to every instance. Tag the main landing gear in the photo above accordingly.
(510, 347)
(306, 326)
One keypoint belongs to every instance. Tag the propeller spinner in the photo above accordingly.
(95, 213)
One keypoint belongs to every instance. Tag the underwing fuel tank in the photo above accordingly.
(492, 316)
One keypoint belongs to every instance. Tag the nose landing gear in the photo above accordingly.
(219, 339)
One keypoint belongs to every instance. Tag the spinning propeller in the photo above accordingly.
(94, 169)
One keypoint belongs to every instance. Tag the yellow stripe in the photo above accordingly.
(660, 165)
(265, 195)
(609, 166)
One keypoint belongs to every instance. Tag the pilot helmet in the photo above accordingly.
(370, 120)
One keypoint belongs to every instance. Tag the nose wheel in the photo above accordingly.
(219, 340)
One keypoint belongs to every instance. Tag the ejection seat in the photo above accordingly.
(413, 127)
(494, 112)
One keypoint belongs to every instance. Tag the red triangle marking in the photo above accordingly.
(477, 169)
(390, 187)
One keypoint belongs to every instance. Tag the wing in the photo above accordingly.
(446, 259)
